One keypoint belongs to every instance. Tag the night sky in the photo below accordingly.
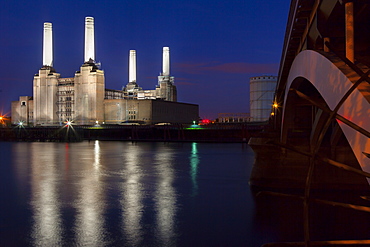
(215, 45)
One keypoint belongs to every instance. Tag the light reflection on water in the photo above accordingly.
(131, 194)
(165, 197)
(90, 201)
(96, 155)
(47, 226)
(194, 162)
(149, 194)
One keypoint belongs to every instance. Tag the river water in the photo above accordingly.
(137, 194)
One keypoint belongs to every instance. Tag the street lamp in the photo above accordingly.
(275, 107)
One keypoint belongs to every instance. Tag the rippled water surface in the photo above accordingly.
(138, 194)
(126, 194)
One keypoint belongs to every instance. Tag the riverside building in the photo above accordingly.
(84, 100)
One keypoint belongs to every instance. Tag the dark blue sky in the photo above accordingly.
(215, 45)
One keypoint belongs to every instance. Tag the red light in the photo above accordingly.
(205, 121)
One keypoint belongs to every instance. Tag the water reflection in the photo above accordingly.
(66, 157)
(22, 154)
(194, 162)
(96, 155)
(132, 195)
(45, 201)
(165, 197)
(90, 206)
(124, 194)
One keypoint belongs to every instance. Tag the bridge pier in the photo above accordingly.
(274, 168)
(279, 168)
(320, 139)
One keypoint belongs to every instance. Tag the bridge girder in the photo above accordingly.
(311, 23)
(328, 80)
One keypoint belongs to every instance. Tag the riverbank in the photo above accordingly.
(169, 133)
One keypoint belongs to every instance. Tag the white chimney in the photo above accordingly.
(132, 66)
(89, 39)
(166, 61)
(47, 55)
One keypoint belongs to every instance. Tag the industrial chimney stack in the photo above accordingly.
(45, 84)
(89, 39)
(132, 66)
(166, 88)
(47, 55)
(166, 61)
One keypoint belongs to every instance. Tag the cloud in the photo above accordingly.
(184, 81)
(178, 80)
(190, 68)
(231, 68)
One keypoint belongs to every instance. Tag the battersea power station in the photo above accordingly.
(84, 100)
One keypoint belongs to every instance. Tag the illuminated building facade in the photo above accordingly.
(84, 99)
(262, 90)
(234, 117)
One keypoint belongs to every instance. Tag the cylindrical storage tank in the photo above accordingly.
(262, 89)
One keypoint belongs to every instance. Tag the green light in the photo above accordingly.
(194, 127)
(96, 127)
(194, 162)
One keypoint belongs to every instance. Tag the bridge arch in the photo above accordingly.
(328, 79)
